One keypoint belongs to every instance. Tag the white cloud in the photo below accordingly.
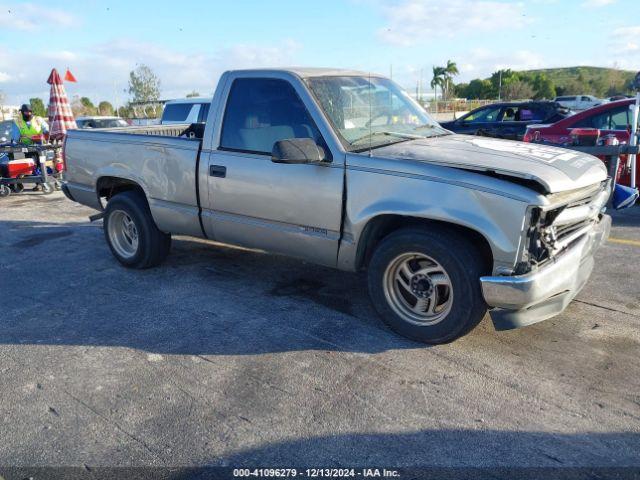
(625, 40)
(597, 3)
(103, 69)
(4, 77)
(413, 21)
(487, 61)
(29, 17)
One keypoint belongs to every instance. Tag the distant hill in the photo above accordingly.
(587, 80)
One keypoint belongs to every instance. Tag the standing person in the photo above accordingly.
(27, 125)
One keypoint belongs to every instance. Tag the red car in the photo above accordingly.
(613, 118)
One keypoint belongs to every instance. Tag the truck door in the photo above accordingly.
(253, 202)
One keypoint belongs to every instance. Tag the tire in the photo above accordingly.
(4, 191)
(438, 268)
(131, 233)
(18, 187)
(47, 189)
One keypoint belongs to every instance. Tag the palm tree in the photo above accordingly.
(450, 71)
(437, 80)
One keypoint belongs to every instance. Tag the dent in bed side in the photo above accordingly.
(164, 169)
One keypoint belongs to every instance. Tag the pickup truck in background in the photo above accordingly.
(344, 169)
(579, 102)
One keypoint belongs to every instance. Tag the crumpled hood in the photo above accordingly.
(555, 169)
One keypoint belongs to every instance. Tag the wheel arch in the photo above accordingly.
(107, 186)
(380, 226)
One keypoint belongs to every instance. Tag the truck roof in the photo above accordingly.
(188, 100)
(306, 72)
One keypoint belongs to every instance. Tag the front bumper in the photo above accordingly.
(521, 300)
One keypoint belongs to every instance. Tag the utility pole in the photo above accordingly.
(500, 86)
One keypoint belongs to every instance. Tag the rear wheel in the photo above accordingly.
(425, 284)
(131, 233)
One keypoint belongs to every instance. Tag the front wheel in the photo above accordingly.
(425, 284)
(131, 233)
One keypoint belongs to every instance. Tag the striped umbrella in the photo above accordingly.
(60, 115)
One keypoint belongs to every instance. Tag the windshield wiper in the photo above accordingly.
(407, 136)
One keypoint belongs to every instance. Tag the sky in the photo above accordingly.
(189, 44)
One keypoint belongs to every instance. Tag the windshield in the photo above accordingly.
(369, 112)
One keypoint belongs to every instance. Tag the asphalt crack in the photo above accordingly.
(144, 444)
(606, 308)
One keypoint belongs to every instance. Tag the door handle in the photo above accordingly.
(217, 171)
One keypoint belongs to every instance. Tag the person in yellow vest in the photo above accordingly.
(27, 125)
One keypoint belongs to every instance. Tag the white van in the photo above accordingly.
(186, 110)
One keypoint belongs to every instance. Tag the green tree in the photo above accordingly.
(571, 87)
(478, 89)
(90, 108)
(37, 107)
(144, 84)
(450, 71)
(193, 94)
(543, 87)
(517, 90)
(460, 89)
(105, 108)
(500, 79)
(125, 112)
(144, 87)
(598, 86)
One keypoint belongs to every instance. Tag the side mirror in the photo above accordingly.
(297, 150)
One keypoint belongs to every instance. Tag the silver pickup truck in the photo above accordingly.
(344, 169)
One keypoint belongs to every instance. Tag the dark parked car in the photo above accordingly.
(507, 120)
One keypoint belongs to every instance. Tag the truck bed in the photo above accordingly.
(186, 130)
(162, 159)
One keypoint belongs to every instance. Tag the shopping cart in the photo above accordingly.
(45, 175)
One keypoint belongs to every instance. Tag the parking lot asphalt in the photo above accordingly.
(224, 356)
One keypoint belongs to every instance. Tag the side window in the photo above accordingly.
(612, 120)
(204, 112)
(484, 115)
(176, 112)
(193, 113)
(586, 99)
(509, 114)
(530, 113)
(595, 121)
(620, 120)
(261, 111)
